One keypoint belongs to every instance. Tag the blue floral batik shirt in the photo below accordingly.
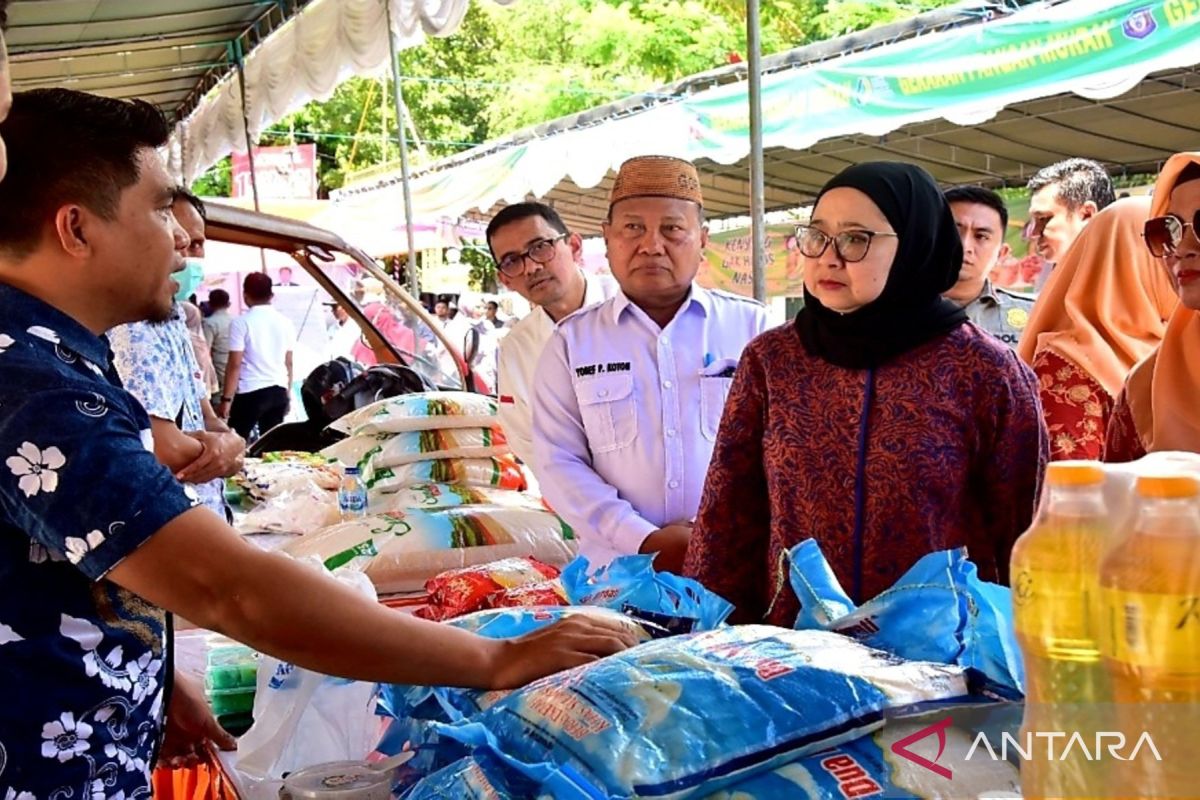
(83, 662)
(158, 366)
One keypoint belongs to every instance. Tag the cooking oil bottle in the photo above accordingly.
(1057, 614)
(1150, 582)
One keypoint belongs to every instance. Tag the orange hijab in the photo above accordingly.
(1164, 391)
(1106, 305)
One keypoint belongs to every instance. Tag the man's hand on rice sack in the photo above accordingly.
(669, 545)
(570, 643)
(190, 727)
(221, 457)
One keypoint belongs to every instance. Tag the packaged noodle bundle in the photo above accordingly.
(688, 715)
(546, 593)
(460, 591)
(501, 472)
(450, 495)
(395, 449)
(400, 550)
(421, 411)
(939, 611)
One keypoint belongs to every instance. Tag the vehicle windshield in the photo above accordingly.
(325, 328)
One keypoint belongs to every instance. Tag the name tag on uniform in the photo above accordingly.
(603, 369)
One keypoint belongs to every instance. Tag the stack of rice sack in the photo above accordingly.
(444, 493)
(431, 437)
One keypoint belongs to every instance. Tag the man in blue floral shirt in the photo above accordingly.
(158, 366)
(97, 539)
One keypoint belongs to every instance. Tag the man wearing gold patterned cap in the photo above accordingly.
(629, 393)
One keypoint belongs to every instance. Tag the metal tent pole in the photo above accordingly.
(757, 201)
(402, 135)
(238, 61)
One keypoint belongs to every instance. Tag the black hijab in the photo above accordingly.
(911, 310)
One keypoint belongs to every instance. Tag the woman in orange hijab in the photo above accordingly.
(1159, 408)
(1103, 310)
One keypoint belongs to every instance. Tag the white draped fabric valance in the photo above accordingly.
(326, 43)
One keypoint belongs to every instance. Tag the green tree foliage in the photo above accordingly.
(509, 67)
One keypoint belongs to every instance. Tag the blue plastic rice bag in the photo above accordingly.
(938, 611)
(887, 763)
(472, 778)
(447, 704)
(687, 715)
(631, 585)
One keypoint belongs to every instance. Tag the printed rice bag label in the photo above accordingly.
(501, 472)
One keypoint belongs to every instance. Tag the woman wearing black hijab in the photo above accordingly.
(882, 424)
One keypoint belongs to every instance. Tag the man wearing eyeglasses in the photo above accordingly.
(539, 259)
(629, 394)
(982, 218)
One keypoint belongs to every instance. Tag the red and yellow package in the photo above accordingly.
(547, 593)
(461, 591)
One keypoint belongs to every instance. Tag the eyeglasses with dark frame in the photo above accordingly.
(850, 246)
(1163, 235)
(540, 252)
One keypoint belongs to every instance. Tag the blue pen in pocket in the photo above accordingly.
(708, 359)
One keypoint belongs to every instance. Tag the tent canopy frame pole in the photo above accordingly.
(402, 139)
(758, 248)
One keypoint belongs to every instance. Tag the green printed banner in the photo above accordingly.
(1095, 49)
(728, 264)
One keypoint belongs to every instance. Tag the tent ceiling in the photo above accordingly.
(1132, 133)
(168, 52)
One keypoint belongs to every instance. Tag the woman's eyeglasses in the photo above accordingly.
(1163, 235)
(540, 252)
(850, 246)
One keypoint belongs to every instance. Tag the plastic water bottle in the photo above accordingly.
(352, 495)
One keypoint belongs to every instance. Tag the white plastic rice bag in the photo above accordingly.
(400, 550)
(395, 449)
(501, 472)
(421, 411)
(451, 495)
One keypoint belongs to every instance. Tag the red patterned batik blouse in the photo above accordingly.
(940, 448)
(1076, 407)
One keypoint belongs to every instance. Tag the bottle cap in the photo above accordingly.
(1167, 487)
(1074, 473)
(351, 471)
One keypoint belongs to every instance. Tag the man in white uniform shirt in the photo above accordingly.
(258, 377)
(539, 259)
(629, 393)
